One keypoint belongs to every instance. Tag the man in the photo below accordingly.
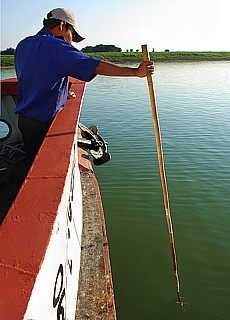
(43, 64)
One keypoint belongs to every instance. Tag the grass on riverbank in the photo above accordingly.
(162, 56)
(123, 57)
(7, 60)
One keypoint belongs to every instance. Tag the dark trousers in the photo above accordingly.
(33, 133)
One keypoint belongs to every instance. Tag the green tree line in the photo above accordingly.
(101, 48)
(8, 51)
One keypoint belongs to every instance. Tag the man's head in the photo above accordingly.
(62, 20)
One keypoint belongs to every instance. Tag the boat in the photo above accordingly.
(54, 261)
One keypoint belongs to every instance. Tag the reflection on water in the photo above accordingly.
(7, 73)
(193, 104)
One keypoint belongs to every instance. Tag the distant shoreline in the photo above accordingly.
(7, 67)
(7, 61)
(126, 57)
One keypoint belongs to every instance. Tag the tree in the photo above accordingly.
(8, 51)
(87, 49)
(101, 48)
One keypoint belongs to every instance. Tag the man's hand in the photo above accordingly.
(145, 68)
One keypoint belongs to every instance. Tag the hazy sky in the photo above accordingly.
(177, 25)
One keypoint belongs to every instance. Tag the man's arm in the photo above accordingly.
(110, 69)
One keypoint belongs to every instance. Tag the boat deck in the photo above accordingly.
(30, 219)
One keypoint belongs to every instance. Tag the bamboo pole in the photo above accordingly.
(162, 171)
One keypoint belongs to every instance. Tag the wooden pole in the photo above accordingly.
(162, 171)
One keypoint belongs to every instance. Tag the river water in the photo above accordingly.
(193, 102)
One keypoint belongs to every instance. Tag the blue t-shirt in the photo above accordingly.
(43, 63)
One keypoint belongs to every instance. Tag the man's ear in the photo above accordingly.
(62, 25)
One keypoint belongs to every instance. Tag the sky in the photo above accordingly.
(176, 25)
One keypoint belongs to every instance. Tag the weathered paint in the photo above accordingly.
(107, 266)
(95, 294)
(36, 235)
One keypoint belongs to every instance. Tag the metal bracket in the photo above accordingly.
(93, 142)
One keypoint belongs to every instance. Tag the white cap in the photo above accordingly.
(68, 16)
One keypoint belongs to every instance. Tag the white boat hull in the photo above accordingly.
(54, 294)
